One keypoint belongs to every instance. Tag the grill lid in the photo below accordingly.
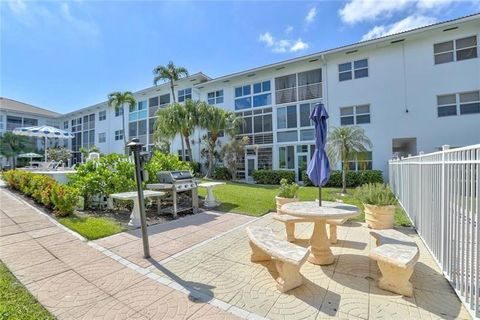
(172, 176)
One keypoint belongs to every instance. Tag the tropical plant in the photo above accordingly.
(232, 153)
(170, 73)
(216, 121)
(377, 194)
(287, 189)
(85, 151)
(11, 145)
(118, 100)
(344, 143)
(178, 118)
(59, 154)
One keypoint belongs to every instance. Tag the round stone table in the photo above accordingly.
(320, 252)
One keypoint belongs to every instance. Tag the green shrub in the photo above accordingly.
(222, 173)
(64, 199)
(164, 162)
(273, 176)
(375, 194)
(287, 189)
(354, 178)
(112, 173)
(45, 190)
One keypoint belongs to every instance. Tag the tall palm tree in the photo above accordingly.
(118, 100)
(178, 118)
(215, 121)
(170, 73)
(11, 145)
(344, 143)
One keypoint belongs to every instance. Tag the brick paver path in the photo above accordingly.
(74, 280)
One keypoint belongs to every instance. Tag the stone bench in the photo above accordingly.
(396, 255)
(291, 220)
(288, 257)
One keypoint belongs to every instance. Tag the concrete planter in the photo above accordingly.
(281, 201)
(379, 217)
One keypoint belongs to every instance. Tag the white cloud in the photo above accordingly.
(282, 45)
(17, 6)
(410, 22)
(363, 10)
(312, 13)
(299, 45)
(288, 29)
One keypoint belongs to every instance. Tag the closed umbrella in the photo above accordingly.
(318, 169)
(43, 132)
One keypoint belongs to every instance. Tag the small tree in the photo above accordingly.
(232, 152)
(11, 145)
(170, 73)
(59, 154)
(344, 143)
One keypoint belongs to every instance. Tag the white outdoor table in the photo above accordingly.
(210, 201)
(135, 216)
(320, 252)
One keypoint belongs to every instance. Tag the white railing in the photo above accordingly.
(440, 192)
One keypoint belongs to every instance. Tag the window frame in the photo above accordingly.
(455, 50)
(355, 114)
(102, 135)
(118, 134)
(250, 97)
(458, 104)
(353, 69)
(182, 94)
(217, 97)
(102, 115)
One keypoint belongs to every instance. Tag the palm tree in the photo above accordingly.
(344, 143)
(216, 121)
(117, 100)
(178, 118)
(171, 73)
(11, 145)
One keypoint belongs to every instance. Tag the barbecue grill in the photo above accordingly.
(176, 183)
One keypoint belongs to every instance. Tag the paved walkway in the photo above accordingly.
(200, 269)
(75, 280)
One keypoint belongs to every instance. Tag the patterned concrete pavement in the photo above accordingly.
(200, 269)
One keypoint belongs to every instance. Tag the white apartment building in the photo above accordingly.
(413, 91)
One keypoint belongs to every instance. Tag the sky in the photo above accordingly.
(66, 55)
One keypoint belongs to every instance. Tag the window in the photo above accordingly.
(257, 126)
(455, 50)
(102, 115)
(118, 135)
(184, 94)
(310, 85)
(164, 99)
(153, 102)
(65, 124)
(118, 111)
(286, 89)
(13, 122)
(261, 96)
(349, 70)
(1, 122)
(287, 117)
(138, 112)
(28, 122)
(287, 136)
(305, 111)
(355, 115)
(286, 157)
(460, 103)
(361, 161)
(307, 134)
(215, 97)
(102, 137)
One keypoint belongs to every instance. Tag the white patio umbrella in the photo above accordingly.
(43, 132)
(30, 155)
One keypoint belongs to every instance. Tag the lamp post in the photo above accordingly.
(136, 147)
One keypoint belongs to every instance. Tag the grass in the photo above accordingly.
(257, 200)
(16, 302)
(92, 227)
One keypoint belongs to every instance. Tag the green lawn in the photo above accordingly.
(16, 302)
(257, 200)
(92, 227)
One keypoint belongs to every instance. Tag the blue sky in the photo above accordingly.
(71, 54)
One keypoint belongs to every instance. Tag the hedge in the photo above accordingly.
(354, 178)
(222, 173)
(273, 176)
(45, 190)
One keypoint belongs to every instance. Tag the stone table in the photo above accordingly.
(320, 252)
(210, 201)
(135, 216)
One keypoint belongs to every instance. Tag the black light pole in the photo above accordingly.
(136, 147)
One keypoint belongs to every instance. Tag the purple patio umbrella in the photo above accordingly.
(318, 169)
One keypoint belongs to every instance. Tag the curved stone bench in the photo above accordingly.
(288, 257)
(396, 255)
(291, 220)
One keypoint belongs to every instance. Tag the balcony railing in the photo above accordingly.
(440, 192)
(310, 91)
(286, 95)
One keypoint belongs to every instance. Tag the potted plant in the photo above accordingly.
(379, 203)
(287, 193)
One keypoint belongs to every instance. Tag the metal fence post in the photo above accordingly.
(443, 205)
